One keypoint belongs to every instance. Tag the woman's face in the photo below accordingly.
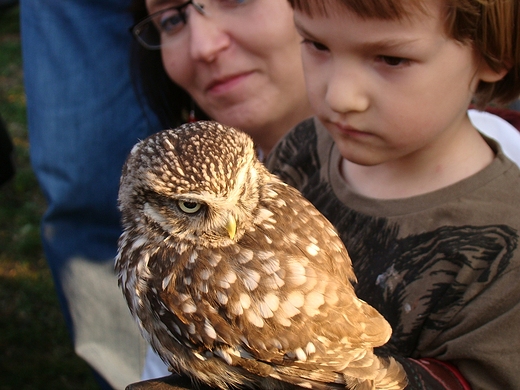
(241, 63)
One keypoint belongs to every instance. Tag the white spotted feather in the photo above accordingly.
(223, 267)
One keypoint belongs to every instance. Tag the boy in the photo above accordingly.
(427, 207)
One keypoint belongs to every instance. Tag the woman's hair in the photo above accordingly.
(170, 102)
(491, 26)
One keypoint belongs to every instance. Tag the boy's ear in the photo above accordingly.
(489, 75)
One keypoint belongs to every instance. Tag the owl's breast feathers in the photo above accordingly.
(281, 294)
(277, 303)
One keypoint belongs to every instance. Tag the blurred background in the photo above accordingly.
(35, 349)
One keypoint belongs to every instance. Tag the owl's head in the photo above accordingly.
(198, 182)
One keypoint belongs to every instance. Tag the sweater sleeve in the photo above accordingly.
(482, 340)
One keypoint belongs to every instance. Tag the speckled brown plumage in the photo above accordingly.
(235, 278)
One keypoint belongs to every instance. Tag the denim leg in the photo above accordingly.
(84, 117)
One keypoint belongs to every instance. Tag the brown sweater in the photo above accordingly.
(443, 268)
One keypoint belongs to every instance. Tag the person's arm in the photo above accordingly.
(483, 341)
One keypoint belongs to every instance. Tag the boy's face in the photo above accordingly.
(387, 90)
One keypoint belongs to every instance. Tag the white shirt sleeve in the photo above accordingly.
(154, 367)
(500, 130)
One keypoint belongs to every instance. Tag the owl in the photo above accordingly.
(235, 279)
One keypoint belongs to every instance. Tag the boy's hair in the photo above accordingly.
(491, 26)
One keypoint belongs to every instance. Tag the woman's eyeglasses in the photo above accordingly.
(152, 31)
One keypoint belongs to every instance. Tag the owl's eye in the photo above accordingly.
(188, 206)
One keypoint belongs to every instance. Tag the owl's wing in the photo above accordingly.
(317, 264)
(283, 294)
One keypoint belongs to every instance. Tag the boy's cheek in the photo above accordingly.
(317, 101)
(316, 91)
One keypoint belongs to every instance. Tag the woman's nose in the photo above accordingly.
(207, 37)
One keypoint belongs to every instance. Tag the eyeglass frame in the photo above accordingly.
(137, 29)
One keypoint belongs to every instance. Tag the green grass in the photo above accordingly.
(36, 352)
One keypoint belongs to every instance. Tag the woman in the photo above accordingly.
(235, 61)
(239, 60)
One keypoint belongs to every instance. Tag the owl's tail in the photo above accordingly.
(392, 375)
(382, 374)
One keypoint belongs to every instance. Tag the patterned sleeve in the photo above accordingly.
(482, 339)
(480, 350)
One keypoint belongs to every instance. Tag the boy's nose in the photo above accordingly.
(346, 91)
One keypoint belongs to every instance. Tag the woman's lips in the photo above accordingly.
(227, 83)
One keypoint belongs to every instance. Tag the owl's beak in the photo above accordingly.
(231, 226)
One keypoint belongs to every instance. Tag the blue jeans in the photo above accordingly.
(84, 117)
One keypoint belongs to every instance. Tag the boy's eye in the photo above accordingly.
(315, 45)
(393, 61)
